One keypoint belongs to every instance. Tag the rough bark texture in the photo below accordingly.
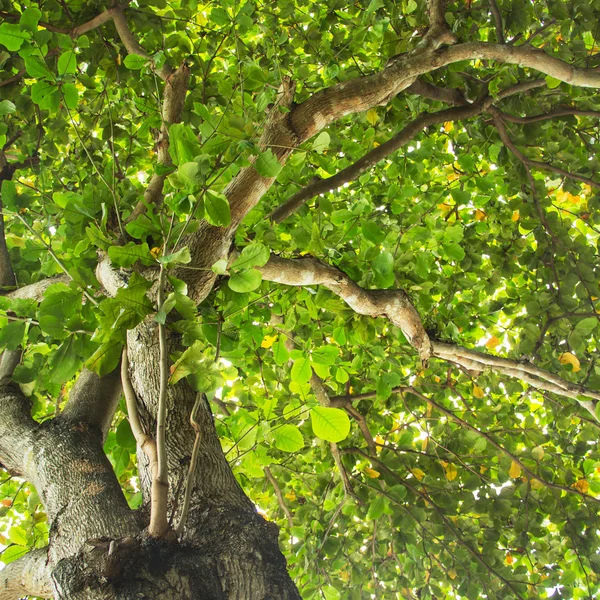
(98, 549)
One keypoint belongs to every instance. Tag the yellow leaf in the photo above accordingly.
(492, 343)
(372, 473)
(291, 496)
(515, 216)
(424, 444)
(535, 484)
(448, 126)
(451, 472)
(482, 469)
(478, 392)
(452, 574)
(445, 207)
(538, 453)
(345, 575)
(156, 252)
(418, 474)
(509, 560)
(480, 215)
(582, 485)
(515, 470)
(566, 358)
(379, 440)
(268, 341)
(375, 144)
(372, 116)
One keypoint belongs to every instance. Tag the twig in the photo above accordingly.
(280, 500)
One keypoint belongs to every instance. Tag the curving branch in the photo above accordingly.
(403, 137)
(286, 130)
(27, 576)
(397, 307)
(394, 305)
(530, 374)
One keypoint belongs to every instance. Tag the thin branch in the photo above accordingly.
(280, 500)
(503, 133)
(161, 524)
(559, 112)
(54, 256)
(193, 463)
(396, 306)
(493, 442)
(158, 497)
(530, 374)
(403, 137)
(498, 21)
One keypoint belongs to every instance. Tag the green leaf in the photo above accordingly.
(181, 257)
(301, 370)
(245, 281)
(220, 267)
(129, 254)
(376, 507)
(37, 68)
(453, 251)
(124, 437)
(267, 164)
(106, 358)
(135, 62)
(552, 83)
(383, 268)
(12, 36)
(11, 335)
(64, 363)
(183, 143)
(217, 209)
(330, 424)
(321, 142)
(253, 255)
(280, 352)
(71, 95)
(30, 18)
(288, 438)
(67, 63)
(6, 108)
(373, 232)
(45, 95)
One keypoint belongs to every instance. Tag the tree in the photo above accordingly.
(331, 264)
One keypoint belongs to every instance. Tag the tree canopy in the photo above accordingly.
(367, 232)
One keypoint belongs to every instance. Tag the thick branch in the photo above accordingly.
(396, 306)
(402, 138)
(17, 430)
(290, 129)
(35, 291)
(392, 304)
(534, 376)
(93, 400)
(28, 576)
(371, 158)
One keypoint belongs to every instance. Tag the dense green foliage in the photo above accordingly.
(439, 509)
